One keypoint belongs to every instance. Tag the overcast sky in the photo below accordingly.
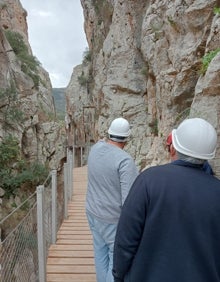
(56, 36)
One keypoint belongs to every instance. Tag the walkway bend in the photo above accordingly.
(71, 258)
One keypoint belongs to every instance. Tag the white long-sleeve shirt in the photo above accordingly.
(111, 173)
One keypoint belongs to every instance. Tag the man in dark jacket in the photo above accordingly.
(169, 229)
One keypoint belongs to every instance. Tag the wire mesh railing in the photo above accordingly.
(24, 247)
(19, 253)
(20, 256)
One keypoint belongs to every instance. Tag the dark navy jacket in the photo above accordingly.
(169, 229)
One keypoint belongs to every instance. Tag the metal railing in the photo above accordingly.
(24, 249)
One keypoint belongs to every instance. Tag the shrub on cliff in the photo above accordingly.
(15, 171)
(29, 63)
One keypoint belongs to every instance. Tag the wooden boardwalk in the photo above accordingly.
(71, 259)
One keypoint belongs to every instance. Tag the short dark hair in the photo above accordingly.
(117, 138)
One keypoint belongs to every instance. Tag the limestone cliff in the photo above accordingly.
(148, 63)
(26, 105)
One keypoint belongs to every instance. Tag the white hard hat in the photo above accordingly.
(196, 138)
(119, 128)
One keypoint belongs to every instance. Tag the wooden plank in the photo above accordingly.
(78, 220)
(71, 223)
(72, 227)
(77, 227)
(77, 208)
(70, 254)
(71, 277)
(75, 236)
(70, 269)
(73, 232)
(71, 261)
(72, 242)
(70, 247)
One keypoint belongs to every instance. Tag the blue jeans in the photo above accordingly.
(103, 242)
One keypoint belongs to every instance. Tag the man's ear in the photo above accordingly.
(172, 151)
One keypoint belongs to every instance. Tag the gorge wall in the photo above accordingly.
(146, 62)
(27, 109)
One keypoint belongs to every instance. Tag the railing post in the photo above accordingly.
(41, 234)
(54, 206)
(73, 156)
(73, 165)
(81, 155)
(70, 174)
(65, 190)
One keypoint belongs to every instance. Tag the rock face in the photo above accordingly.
(26, 106)
(146, 64)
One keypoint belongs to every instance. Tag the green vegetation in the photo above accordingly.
(3, 6)
(87, 56)
(29, 63)
(144, 71)
(11, 111)
(83, 79)
(172, 22)
(207, 58)
(15, 170)
(217, 11)
(154, 127)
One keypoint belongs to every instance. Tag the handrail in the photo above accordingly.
(16, 209)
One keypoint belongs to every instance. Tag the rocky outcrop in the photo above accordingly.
(26, 106)
(147, 64)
